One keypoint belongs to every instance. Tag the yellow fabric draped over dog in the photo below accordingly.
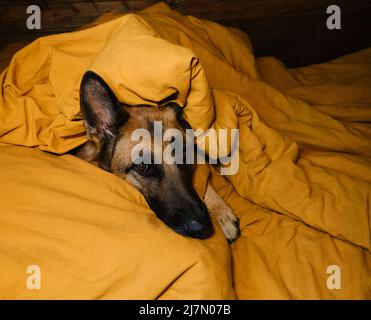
(302, 190)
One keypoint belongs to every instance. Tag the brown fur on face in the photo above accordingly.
(167, 188)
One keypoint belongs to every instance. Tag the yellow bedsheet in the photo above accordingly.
(302, 191)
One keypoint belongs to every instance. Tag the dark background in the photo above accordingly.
(293, 30)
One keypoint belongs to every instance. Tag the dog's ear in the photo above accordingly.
(103, 113)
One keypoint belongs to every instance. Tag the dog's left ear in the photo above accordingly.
(103, 117)
(103, 113)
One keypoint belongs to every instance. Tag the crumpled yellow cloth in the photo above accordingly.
(302, 191)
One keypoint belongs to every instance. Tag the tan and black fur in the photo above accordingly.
(166, 187)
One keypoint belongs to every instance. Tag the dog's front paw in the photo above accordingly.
(229, 224)
(220, 210)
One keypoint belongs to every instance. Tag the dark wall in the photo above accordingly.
(292, 30)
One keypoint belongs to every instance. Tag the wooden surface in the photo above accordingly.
(292, 30)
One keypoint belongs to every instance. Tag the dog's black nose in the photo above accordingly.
(198, 230)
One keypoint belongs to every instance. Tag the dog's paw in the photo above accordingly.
(229, 224)
(220, 210)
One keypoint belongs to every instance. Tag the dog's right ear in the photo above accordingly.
(103, 113)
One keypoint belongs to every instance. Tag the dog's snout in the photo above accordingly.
(185, 213)
(199, 230)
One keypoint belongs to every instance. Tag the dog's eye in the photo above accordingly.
(143, 169)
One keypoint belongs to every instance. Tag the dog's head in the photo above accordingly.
(167, 187)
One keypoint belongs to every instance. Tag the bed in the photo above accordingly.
(302, 191)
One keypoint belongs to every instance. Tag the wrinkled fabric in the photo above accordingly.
(302, 190)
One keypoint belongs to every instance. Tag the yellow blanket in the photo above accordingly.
(302, 191)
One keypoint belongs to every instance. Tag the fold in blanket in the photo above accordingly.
(304, 182)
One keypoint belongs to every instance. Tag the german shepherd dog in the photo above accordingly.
(167, 188)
